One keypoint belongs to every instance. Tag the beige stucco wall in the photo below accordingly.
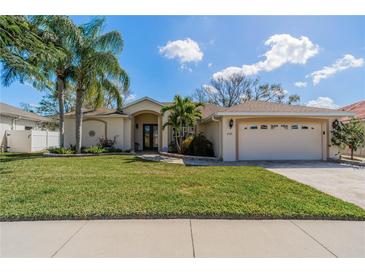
(114, 128)
(142, 112)
(212, 130)
(142, 106)
(152, 107)
(127, 143)
(228, 139)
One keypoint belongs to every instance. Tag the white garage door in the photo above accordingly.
(280, 141)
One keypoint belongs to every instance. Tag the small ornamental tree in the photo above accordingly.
(183, 113)
(350, 134)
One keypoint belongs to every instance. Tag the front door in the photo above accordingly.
(150, 137)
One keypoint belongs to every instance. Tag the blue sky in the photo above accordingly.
(329, 48)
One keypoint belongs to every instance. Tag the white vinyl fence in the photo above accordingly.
(31, 140)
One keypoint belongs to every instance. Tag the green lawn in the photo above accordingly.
(33, 187)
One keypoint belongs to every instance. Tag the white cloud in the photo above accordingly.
(227, 72)
(186, 51)
(300, 84)
(284, 49)
(346, 62)
(210, 65)
(323, 102)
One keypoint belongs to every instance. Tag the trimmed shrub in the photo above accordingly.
(106, 143)
(186, 146)
(172, 147)
(197, 145)
(94, 150)
(201, 146)
(61, 150)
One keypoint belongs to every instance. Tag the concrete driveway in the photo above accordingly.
(344, 181)
(183, 238)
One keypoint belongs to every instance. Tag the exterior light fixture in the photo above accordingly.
(136, 126)
(231, 123)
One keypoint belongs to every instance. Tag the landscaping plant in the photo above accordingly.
(61, 150)
(350, 134)
(183, 113)
(197, 145)
(94, 150)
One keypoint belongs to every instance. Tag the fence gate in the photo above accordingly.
(28, 141)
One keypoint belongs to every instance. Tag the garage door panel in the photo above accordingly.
(280, 141)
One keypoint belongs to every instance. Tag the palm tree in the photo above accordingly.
(24, 51)
(65, 34)
(97, 68)
(183, 113)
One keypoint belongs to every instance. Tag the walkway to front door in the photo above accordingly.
(150, 137)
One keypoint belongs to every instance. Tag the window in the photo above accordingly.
(263, 127)
(28, 128)
(274, 126)
(285, 126)
(186, 131)
(294, 127)
(91, 133)
(305, 127)
(253, 127)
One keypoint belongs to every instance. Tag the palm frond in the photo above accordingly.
(111, 41)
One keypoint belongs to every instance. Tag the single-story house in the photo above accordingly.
(358, 109)
(253, 130)
(13, 118)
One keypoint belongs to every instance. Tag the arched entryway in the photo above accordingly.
(146, 131)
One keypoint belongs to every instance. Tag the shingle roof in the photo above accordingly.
(210, 109)
(98, 112)
(358, 108)
(8, 110)
(261, 106)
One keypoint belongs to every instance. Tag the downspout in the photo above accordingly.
(13, 122)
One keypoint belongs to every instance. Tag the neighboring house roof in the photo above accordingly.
(99, 112)
(358, 108)
(11, 111)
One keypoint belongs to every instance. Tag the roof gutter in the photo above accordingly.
(318, 114)
(209, 118)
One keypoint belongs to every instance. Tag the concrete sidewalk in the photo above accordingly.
(183, 238)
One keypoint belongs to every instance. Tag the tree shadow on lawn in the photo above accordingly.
(9, 157)
(137, 159)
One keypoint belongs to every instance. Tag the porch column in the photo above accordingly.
(159, 130)
(132, 133)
